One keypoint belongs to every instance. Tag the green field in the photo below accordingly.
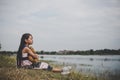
(8, 71)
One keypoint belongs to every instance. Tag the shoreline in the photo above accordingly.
(9, 71)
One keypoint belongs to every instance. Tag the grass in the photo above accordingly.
(8, 71)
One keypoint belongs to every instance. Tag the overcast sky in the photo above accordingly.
(61, 24)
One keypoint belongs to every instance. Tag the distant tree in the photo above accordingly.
(91, 51)
(53, 52)
(0, 46)
(42, 52)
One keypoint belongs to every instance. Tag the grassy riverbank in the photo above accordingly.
(8, 71)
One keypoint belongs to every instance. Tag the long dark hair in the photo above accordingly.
(22, 45)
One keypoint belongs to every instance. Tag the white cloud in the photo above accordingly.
(61, 24)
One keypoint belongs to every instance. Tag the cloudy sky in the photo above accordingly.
(61, 24)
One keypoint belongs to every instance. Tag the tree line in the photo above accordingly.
(72, 52)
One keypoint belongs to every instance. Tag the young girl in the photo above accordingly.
(23, 60)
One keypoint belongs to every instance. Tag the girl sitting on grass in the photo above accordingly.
(25, 51)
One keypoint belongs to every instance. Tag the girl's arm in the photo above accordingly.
(29, 51)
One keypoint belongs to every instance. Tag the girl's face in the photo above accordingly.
(29, 41)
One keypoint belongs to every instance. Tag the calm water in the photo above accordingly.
(89, 63)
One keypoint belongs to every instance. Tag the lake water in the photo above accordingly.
(90, 64)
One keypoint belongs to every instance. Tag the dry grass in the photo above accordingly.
(8, 71)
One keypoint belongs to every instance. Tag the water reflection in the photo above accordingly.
(89, 64)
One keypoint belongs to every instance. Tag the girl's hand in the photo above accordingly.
(29, 51)
(36, 55)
